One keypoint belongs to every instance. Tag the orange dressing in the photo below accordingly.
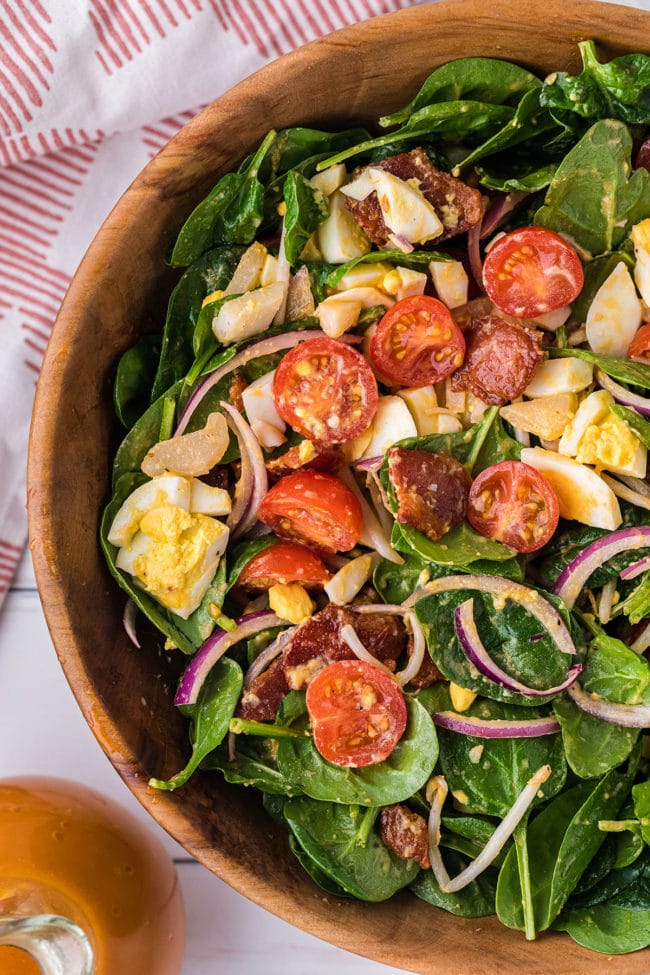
(65, 849)
(14, 961)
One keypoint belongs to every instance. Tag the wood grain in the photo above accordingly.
(119, 291)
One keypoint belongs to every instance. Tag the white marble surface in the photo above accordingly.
(43, 732)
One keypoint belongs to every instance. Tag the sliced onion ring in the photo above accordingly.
(495, 844)
(495, 728)
(351, 638)
(625, 715)
(573, 577)
(622, 395)
(470, 641)
(529, 599)
(214, 648)
(253, 482)
(636, 569)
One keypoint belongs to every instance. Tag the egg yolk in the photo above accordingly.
(171, 568)
(610, 442)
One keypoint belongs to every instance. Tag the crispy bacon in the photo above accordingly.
(457, 205)
(500, 359)
(306, 455)
(431, 490)
(405, 833)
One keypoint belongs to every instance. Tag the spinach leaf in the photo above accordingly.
(475, 900)
(619, 89)
(616, 673)
(478, 79)
(395, 583)
(254, 764)
(459, 548)
(512, 637)
(320, 878)
(241, 553)
(612, 882)
(641, 797)
(307, 208)
(562, 840)
(624, 370)
(133, 379)
(230, 214)
(210, 717)
(491, 785)
(334, 836)
(529, 121)
(496, 447)
(527, 175)
(639, 424)
(594, 198)
(404, 772)
(211, 272)
(592, 747)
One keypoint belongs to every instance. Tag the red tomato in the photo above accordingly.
(417, 342)
(515, 504)
(640, 344)
(357, 713)
(314, 508)
(531, 271)
(325, 390)
(284, 562)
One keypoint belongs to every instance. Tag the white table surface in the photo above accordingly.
(43, 732)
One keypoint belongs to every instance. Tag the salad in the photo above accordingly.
(384, 485)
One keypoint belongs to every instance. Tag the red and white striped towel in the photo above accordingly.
(89, 91)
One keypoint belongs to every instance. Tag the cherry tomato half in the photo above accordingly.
(283, 562)
(357, 713)
(325, 390)
(531, 271)
(316, 509)
(417, 342)
(515, 504)
(640, 344)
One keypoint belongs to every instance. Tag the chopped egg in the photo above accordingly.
(405, 210)
(174, 556)
(340, 238)
(249, 314)
(166, 489)
(392, 422)
(461, 698)
(330, 179)
(349, 580)
(404, 283)
(269, 272)
(641, 239)
(259, 405)
(560, 376)
(340, 311)
(249, 270)
(545, 417)
(614, 315)
(552, 320)
(582, 493)
(597, 436)
(208, 500)
(365, 276)
(291, 602)
(422, 402)
(450, 281)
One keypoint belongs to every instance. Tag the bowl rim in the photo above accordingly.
(583, 15)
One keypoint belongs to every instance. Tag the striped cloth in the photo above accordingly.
(90, 90)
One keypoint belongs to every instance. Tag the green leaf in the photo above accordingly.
(254, 764)
(459, 547)
(395, 779)
(562, 840)
(641, 797)
(595, 198)
(333, 836)
(210, 717)
(477, 899)
(592, 746)
(616, 673)
(307, 208)
(639, 424)
(478, 79)
(133, 380)
(619, 89)
(529, 121)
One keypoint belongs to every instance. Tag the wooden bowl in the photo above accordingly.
(119, 291)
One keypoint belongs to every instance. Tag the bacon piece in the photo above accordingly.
(314, 644)
(500, 360)
(305, 455)
(457, 205)
(405, 833)
(431, 490)
(238, 384)
(428, 673)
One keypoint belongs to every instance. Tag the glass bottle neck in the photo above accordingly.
(56, 944)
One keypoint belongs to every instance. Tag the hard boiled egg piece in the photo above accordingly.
(391, 422)
(205, 499)
(560, 376)
(339, 237)
(582, 494)
(249, 314)
(641, 239)
(405, 210)
(167, 489)
(597, 436)
(348, 581)
(614, 315)
(450, 281)
(259, 405)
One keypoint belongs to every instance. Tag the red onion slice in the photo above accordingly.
(495, 727)
(622, 395)
(128, 619)
(253, 482)
(573, 577)
(503, 589)
(276, 343)
(369, 464)
(625, 715)
(214, 648)
(636, 569)
(470, 641)
(500, 207)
